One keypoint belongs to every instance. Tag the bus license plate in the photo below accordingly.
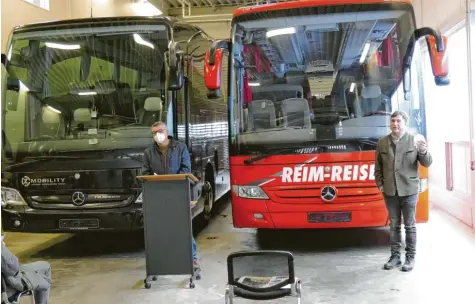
(79, 223)
(329, 217)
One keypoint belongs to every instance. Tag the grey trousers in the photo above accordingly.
(405, 206)
(43, 269)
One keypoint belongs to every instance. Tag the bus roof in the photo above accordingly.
(306, 3)
(82, 22)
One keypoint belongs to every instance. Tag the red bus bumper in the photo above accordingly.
(250, 213)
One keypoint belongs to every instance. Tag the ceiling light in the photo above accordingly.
(87, 93)
(9, 54)
(145, 8)
(142, 41)
(365, 52)
(63, 46)
(352, 88)
(254, 84)
(23, 87)
(282, 31)
(54, 110)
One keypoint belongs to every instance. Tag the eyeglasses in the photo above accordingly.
(159, 131)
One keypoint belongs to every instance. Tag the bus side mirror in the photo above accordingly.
(175, 67)
(212, 68)
(439, 60)
(437, 45)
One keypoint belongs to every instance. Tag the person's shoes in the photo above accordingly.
(408, 264)
(393, 262)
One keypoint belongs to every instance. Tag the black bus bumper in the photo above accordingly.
(26, 219)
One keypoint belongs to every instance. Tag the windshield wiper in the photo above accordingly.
(51, 157)
(131, 156)
(276, 152)
(32, 159)
(366, 141)
(319, 148)
(122, 153)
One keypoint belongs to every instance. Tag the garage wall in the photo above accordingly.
(217, 30)
(109, 8)
(17, 12)
(452, 182)
(216, 21)
(440, 14)
(449, 142)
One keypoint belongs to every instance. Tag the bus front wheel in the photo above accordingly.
(209, 200)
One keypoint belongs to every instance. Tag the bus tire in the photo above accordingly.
(209, 190)
(209, 200)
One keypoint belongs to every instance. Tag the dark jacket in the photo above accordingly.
(19, 277)
(178, 159)
(399, 171)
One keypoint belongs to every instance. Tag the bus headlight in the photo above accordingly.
(254, 192)
(422, 185)
(11, 197)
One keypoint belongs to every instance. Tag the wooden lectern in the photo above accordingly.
(168, 226)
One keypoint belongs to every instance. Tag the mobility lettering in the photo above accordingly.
(55, 180)
(325, 173)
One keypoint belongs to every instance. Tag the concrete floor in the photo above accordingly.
(336, 266)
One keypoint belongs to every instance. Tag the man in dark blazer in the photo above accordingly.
(397, 177)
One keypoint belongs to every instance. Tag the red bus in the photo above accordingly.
(311, 86)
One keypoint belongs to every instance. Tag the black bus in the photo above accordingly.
(78, 101)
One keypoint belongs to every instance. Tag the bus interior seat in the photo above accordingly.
(261, 115)
(152, 88)
(151, 111)
(277, 93)
(125, 101)
(82, 119)
(325, 111)
(114, 102)
(296, 113)
(373, 99)
(82, 115)
(104, 100)
(264, 79)
(51, 121)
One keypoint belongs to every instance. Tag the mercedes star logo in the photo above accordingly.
(78, 198)
(328, 193)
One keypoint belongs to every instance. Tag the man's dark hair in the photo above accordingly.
(402, 114)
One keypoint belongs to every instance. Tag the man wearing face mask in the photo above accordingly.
(167, 156)
(397, 177)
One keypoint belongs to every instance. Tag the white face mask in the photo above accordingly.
(160, 137)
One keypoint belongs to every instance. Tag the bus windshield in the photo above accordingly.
(333, 73)
(88, 88)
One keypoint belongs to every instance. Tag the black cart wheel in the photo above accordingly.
(154, 278)
(192, 285)
(148, 285)
(198, 277)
